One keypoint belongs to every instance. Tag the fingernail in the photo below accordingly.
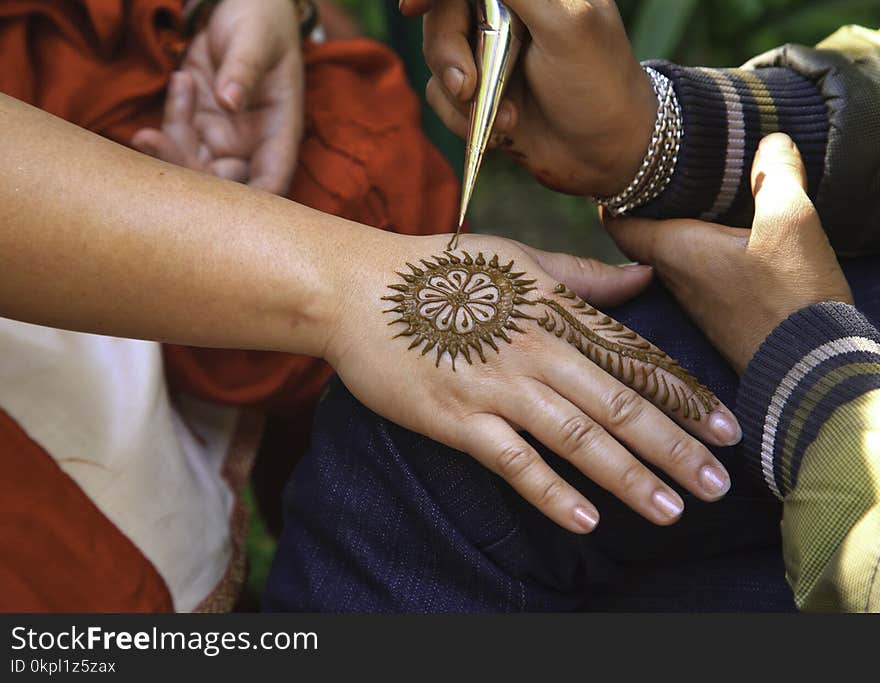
(636, 267)
(725, 428)
(714, 481)
(234, 96)
(668, 505)
(585, 519)
(401, 4)
(453, 79)
(776, 142)
(504, 118)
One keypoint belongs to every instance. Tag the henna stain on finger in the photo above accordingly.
(621, 352)
(459, 305)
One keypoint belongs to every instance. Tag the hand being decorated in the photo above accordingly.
(478, 343)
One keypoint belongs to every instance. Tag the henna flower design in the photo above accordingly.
(459, 305)
(456, 305)
(459, 300)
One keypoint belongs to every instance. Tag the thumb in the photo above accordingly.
(779, 186)
(245, 61)
(599, 283)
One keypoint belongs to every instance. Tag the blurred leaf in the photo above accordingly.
(813, 21)
(659, 27)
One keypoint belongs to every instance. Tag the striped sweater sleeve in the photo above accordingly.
(809, 405)
(726, 113)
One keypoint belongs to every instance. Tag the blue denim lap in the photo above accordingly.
(380, 519)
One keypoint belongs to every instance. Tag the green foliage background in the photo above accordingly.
(507, 202)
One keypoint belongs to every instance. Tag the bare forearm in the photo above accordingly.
(98, 238)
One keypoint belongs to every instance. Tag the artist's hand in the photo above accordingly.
(738, 285)
(539, 381)
(235, 109)
(579, 116)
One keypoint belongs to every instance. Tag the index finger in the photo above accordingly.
(494, 443)
(447, 49)
(651, 241)
(273, 162)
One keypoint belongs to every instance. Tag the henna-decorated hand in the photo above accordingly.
(235, 109)
(738, 285)
(460, 346)
(580, 112)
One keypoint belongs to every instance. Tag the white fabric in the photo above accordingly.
(100, 407)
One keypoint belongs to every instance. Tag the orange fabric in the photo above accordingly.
(104, 65)
(58, 552)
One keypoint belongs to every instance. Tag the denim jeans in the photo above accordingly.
(379, 519)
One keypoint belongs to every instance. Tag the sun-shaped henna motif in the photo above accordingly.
(456, 305)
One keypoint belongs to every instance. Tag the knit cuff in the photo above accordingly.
(726, 114)
(817, 360)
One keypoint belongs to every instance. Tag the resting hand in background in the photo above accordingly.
(738, 285)
(579, 114)
(235, 108)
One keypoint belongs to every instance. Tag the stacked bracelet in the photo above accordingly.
(659, 163)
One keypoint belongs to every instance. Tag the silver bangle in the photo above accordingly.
(660, 161)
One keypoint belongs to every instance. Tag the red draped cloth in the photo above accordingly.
(104, 65)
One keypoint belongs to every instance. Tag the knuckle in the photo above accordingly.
(579, 433)
(803, 210)
(790, 207)
(551, 493)
(436, 47)
(514, 462)
(624, 407)
(588, 267)
(680, 451)
(583, 15)
(631, 478)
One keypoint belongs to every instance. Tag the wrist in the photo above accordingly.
(621, 152)
(311, 290)
(659, 161)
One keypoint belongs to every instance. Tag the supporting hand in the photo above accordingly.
(738, 285)
(235, 109)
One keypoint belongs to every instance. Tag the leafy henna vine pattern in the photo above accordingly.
(456, 305)
(623, 353)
